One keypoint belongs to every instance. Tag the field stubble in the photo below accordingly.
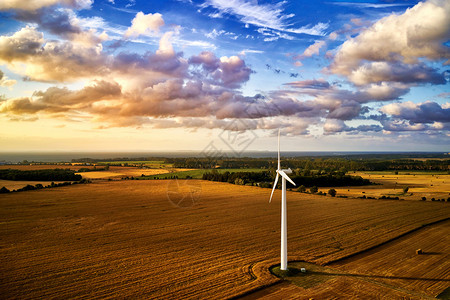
(124, 238)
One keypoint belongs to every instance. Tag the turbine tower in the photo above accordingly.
(284, 177)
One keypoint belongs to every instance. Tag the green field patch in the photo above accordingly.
(196, 174)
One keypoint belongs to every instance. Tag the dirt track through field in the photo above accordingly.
(125, 239)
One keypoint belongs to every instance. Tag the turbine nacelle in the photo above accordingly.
(282, 172)
(287, 171)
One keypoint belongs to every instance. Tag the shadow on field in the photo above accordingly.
(431, 253)
(375, 276)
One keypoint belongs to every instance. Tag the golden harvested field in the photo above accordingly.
(114, 171)
(420, 185)
(396, 265)
(119, 172)
(126, 239)
(392, 270)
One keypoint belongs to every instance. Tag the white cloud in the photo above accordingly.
(214, 33)
(144, 24)
(273, 35)
(369, 5)
(333, 126)
(314, 49)
(245, 51)
(403, 39)
(262, 15)
(131, 3)
(426, 112)
(26, 52)
(4, 81)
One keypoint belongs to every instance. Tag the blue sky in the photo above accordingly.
(125, 75)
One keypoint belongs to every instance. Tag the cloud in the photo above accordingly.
(273, 35)
(65, 23)
(402, 125)
(399, 39)
(4, 81)
(131, 3)
(369, 5)
(21, 44)
(55, 99)
(229, 72)
(145, 24)
(333, 126)
(378, 72)
(314, 84)
(26, 52)
(384, 91)
(32, 5)
(214, 33)
(245, 51)
(313, 49)
(426, 112)
(162, 88)
(324, 91)
(262, 15)
(298, 63)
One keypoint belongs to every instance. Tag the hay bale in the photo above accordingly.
(419, 251)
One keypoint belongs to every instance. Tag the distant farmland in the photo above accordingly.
(198, 173)
(125, 239)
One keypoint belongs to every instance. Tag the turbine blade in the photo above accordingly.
(274, 187)
(279, 163)
(286, 177)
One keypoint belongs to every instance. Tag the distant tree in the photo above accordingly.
(424, 198)
(332, 192)
(239, 181)
(39, 186)
(4, 190)
(313, 189)
(301, 189)
(405, 189)
(28, 187)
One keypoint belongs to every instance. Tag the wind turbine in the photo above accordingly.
(284, 177)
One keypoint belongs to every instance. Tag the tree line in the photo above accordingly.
(39, 186)
(266, 178)
(40, 175)
(354, 162)
(326, 164)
